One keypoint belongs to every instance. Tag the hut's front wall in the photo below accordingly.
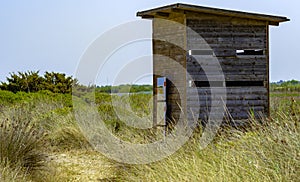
(169, 42)
(246, 76)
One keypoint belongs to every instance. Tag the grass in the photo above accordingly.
(12, 174)
(20, 143)
(41, 141)
(30, 130)
(271, 153)
(81, 165)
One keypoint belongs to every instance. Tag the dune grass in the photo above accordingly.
(270, 153)
(32, 128)
(21, 144)
(43, 124)
(264, 151)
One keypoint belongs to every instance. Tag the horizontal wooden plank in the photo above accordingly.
(216, 46)
(230, 101)
(227, 65)
(240, 90)
(218, 32)
(223, 67)
(234, 46)
(241, 77)
(192, 103)
(238, 119)
(228, 70)
(226, 40)
(215, 33)
(195, 97)
(235, 116)
(200, 26)
(227, 61)
(230, 106)
(228, 74)
(234, 109)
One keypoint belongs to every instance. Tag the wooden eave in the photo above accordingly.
(183, 8)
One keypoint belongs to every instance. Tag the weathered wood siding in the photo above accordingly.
(225, 36)
(165, 36)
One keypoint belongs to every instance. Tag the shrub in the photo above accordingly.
(31, 81)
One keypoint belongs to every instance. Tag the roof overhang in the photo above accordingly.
(183, 8)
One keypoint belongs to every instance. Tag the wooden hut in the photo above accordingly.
(240, 43)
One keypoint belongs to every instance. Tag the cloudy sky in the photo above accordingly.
(54, 35)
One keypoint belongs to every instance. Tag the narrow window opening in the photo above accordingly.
(201, 52)
(244, 83)
(249, 52)
(208, 84)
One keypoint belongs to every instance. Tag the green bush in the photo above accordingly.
(9, 98)
(31, 81)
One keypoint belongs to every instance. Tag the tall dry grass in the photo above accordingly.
(21, 144)
(31, 129)
(269, 152)
(261, 153)
(266, 150)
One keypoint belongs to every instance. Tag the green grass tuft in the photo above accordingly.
(21, 142)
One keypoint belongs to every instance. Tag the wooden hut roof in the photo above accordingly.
(179, 7)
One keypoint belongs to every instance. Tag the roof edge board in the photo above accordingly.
(217, 11)
(150, 11)
(241, 14)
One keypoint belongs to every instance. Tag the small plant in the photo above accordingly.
(21, 142)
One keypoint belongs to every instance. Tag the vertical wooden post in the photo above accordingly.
(154, 79)
(268, 68)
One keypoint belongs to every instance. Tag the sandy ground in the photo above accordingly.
(82, 166)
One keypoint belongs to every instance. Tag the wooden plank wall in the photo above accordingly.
(225, 36)
(164, 34)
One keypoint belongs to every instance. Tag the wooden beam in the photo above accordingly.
(268, 68)
(148, 16)
(176, 10)
(163, 14)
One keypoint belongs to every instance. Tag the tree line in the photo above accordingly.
(32, 81)
(286, 86)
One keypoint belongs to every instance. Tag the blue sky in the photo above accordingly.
(53, 35)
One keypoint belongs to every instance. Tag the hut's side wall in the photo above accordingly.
(225, 36)
(165, 35)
